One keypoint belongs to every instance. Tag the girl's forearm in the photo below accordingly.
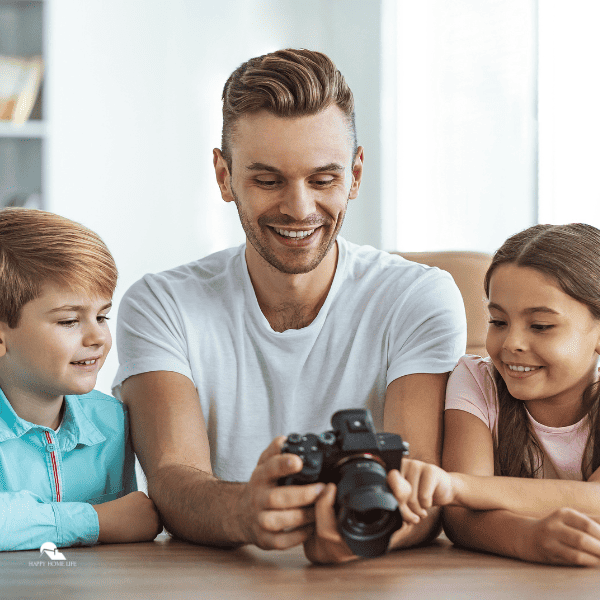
(497, 531)
(534, 497)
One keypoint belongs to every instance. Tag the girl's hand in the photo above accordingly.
(565, 537)
(420, 486)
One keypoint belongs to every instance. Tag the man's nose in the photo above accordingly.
(298, 202)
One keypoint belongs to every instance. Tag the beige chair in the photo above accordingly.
(468, 270)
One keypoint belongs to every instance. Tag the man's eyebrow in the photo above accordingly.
(75, 308)
(257, 166)
(527, 311)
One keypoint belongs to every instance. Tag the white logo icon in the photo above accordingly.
(52, 551)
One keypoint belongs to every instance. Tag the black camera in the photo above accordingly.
(356, 459)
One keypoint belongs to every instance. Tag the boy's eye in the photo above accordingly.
(68, 322)
(102, 318)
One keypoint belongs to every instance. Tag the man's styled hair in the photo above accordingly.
(287, 83)
(38, 247)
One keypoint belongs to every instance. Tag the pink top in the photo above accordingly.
(472, 388)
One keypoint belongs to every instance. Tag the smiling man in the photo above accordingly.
(222, 357)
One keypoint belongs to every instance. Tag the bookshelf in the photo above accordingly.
(22, 146)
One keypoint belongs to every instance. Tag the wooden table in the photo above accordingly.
(175, 570)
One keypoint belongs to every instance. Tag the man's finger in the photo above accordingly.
(325, 522)
(286, 520)
(272, 449)
(292, 496)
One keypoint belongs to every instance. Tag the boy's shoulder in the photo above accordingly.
(101, 408)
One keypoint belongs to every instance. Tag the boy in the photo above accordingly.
(66, 463)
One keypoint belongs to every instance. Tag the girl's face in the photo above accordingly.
(544, 343)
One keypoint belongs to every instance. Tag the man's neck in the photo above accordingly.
(290, 301)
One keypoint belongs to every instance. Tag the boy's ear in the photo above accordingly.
(3, 330)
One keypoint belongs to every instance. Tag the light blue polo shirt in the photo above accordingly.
(49, 480)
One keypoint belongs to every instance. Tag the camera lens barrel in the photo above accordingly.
(367, 510)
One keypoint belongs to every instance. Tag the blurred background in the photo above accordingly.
(478, 117)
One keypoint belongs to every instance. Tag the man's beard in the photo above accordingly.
(254, 237)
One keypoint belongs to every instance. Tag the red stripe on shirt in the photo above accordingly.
(54, 468)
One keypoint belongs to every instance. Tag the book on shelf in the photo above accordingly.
(20, 80)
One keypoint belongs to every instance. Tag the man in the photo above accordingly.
(222, 355)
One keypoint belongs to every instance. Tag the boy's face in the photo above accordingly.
(58, 347)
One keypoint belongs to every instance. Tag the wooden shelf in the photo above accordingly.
(31, 129)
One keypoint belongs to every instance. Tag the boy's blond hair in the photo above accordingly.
(38, 247)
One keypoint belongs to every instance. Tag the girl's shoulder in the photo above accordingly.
(472, 388)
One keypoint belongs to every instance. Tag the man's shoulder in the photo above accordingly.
(204, 272)
(385, 268)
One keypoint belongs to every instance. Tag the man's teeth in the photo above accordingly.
(293, 234)
(85, 362)
(521, 368)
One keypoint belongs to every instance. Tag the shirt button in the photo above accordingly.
(50, 448)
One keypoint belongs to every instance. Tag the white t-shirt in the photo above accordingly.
(472, 388)
(384, 317)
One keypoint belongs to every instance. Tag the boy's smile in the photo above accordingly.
(57, 348)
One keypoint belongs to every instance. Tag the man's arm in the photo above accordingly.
(169, 436)
(414, 409)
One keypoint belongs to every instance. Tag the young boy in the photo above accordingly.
(66, 462)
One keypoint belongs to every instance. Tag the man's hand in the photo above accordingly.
(273, 516)
(419, 486)
(132, 518)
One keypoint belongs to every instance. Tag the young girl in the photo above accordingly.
(529, 412)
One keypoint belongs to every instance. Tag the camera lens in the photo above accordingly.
(367, 510)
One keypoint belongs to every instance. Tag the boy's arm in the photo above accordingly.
(26, 522)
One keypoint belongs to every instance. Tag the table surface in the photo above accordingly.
(168, 568)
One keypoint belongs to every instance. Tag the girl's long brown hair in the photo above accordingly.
(570, 254)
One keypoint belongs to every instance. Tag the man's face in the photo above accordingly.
(291, 182)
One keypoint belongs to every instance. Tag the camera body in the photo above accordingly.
(356, 458)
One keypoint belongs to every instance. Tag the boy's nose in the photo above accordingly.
(95, 335)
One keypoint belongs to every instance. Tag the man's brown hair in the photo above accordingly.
(38, 247)
(287, 83)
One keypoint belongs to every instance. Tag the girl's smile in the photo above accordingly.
(543, 342)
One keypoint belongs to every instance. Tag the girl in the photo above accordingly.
(528, 413)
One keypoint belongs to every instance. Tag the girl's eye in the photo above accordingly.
(497, 322)
(539, 327)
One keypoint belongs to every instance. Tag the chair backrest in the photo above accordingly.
(468, 270)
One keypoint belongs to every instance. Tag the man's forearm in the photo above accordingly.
(534, 497)
(197, 507)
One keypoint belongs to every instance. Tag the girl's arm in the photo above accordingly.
(557, 535)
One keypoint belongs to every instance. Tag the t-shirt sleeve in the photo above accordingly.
(27, 522)
(429, 330)
(469, 390)
(150, 333)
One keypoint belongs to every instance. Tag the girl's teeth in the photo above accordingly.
(521, 369)
(293, 234)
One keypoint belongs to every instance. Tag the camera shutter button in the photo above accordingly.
(294, 438)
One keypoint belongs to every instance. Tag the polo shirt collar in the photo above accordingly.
(76, 427)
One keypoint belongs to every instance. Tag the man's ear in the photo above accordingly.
(223, 175)
(357, 171)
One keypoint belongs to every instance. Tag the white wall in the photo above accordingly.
(134, 113)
